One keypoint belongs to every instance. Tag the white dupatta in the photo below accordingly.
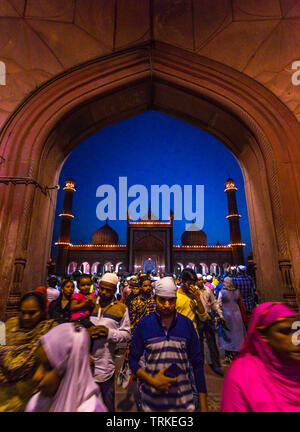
(67, 349)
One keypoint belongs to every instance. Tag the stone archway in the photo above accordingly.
(259, 130)
(108, 267)
(95, 266)
(85, 267)
(204, 267)
(149, 254)
(72, 267)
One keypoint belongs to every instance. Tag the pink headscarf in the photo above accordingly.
(258, 380)
(210, 286)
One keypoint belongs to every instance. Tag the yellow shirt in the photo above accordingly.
(187, 307)
(215, 282)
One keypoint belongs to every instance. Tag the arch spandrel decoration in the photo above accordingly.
(157, 237)
(148, 242)
(175, 82)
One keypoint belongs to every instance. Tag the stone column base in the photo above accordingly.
(290, 300)
(12, 307)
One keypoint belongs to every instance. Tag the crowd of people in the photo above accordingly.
(60, 352)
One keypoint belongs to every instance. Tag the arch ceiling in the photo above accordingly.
(40, 39)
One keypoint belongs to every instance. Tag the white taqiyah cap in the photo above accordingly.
(209, 278)
(111, 278)
(165, 287)
(242, 268)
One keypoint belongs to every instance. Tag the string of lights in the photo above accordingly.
(66, 214)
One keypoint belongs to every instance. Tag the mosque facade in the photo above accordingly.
(149, 245)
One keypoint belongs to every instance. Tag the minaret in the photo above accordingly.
(128, 242)
(65, 229)
(234, 223)
(171, 269)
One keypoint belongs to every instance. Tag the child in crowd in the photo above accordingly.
(83, 302)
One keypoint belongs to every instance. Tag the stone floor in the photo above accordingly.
(214, 385)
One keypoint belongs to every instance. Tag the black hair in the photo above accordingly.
(40, 300)
(52, 282)
(65, 281)
(143, 278)
(188, 274)
(76, 274)
(84, 276)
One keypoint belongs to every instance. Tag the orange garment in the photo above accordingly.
(43, 290)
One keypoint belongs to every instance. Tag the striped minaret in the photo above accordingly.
(234, 223)
(65, 228)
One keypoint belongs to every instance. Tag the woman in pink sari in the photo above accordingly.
(265, 376)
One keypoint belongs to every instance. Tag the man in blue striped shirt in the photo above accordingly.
(162, 339)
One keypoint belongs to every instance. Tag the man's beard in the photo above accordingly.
(166, 313)
(105, 299)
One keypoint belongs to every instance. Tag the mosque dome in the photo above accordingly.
(194, 237)
(105, 236)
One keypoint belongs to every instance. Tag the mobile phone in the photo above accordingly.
(173, 371)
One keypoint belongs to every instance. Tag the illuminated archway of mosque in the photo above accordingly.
(108, 267)
(120, 268)
(85, 267)
(252, 123)
(72, 267)
(149, 265)
(95, 267)
(149, 254)
(214, 268)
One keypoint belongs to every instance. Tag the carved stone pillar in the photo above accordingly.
(289, 295)
(16, 290)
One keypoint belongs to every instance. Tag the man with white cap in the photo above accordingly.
(168, 344)
(208, 283)
(111, 327)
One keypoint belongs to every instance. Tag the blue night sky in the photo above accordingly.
(152, 149)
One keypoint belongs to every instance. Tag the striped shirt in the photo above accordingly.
(246, 286)
(161, 348)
